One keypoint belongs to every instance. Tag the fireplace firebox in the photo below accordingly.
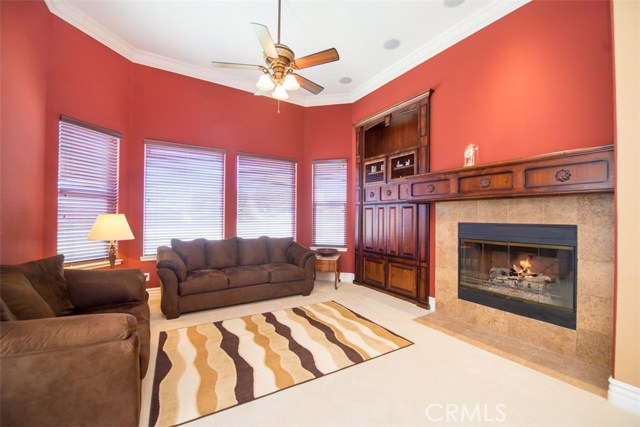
(525, 269)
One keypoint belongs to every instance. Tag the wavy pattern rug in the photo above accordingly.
(210, 367)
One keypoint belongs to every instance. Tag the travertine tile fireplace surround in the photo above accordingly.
(593, 214)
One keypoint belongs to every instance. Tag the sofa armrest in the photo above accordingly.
(54, 371)
(52, 333)
(298, 254)
(95, 288)
(168, 258)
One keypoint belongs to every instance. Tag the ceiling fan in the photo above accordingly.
(281, 64)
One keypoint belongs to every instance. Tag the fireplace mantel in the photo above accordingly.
(568, 172)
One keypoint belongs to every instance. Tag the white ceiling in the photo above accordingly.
(184, 36)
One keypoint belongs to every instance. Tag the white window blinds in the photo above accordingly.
(329, 203)
(183, 194)
(266, 197)
(87, 186)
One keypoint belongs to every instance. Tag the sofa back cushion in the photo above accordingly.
(21, 298)
(277, 248)
(191, 252)
(221, 253)
(47, 278)
(253, 251)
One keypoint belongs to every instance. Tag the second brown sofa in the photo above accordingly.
(203, 274)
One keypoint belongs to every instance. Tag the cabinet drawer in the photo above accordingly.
(428, 188)
(372, 194)
(567, 174)
(389, 192)
(373, 271)
(403, 278)
(488, 182)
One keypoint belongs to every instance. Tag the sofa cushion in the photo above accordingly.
(47, 278)
(246, 275)
(200, 281)
(253, 251)
(191, 252)
(277, 248)
(21, 298)
(283, 272)
(221, 253)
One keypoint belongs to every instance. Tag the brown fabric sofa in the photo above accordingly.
(74, 345)
(203, 274)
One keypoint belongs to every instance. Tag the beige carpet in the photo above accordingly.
(206, 368)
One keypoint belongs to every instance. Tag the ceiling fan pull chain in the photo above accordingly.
(278, 106)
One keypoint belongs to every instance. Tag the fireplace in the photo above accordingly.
(525, 269)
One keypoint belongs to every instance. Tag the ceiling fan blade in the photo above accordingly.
(262, 33)
(235, 65)
(306, 84)
(317, 58)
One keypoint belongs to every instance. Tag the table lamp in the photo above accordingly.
(111, 227)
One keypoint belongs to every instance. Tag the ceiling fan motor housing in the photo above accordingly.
(283, 62)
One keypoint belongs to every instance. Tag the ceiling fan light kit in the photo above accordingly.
(281, 63)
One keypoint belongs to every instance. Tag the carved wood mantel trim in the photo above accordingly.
(587, 170)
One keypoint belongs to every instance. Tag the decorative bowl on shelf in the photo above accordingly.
(326, 251)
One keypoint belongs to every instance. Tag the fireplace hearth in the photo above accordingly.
(525, 269)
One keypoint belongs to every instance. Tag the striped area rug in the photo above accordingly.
(210, 367)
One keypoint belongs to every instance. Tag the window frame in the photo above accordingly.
(316, 243)
(217, 226)
(82, 196)
(292, 198)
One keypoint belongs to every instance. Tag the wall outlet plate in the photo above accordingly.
(146, 277)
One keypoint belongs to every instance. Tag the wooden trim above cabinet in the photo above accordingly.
(575, 171)
(382, 116)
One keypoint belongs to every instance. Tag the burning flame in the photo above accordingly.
(524, 270)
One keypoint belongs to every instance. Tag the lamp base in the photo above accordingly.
(112, 254)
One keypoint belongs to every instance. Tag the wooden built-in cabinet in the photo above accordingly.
(392, 233)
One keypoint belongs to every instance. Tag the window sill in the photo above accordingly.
(90, 265)
(313, 248)
(148, 258)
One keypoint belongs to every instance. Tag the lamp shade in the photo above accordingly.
(110, 227)
(280, 93)
(290, 82)
(264, 82)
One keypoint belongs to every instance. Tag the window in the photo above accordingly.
(183, 194)
(266, 197)
(87, 186)
(329, 203)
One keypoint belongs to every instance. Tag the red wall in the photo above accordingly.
(328, 134)
(538, 80)
(23, 95)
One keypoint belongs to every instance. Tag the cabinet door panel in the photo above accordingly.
(408, 230)
(403, 278)
(373, 271)
(393, 239)
(381, 230)
(368, 228)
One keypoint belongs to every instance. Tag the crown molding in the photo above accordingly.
(491, 13)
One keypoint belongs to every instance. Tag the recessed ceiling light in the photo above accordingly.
(345, 80)
(391, 44)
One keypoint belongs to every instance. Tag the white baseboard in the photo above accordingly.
(432, 304)
(625, 396)
(154, 292)
(344, 277)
